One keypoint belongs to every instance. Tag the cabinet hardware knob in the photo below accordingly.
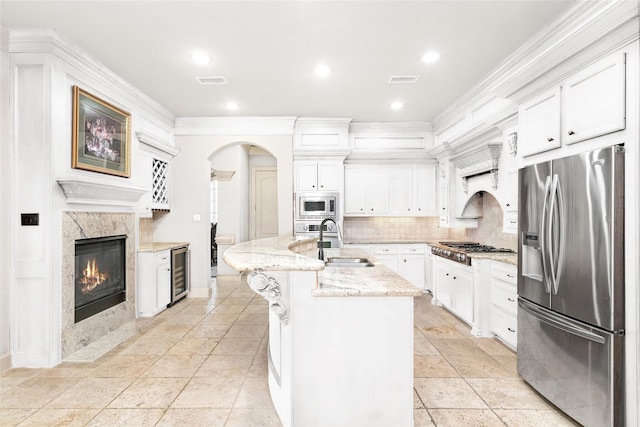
(511, 329)
(408, 209)
(447, 274)
(322, 186)
(405, 260)
(508, 204)
(510, 275)
(549, 139)
(168, 269)
(571, 132)
(511, 300)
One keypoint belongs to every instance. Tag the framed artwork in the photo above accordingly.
(101, 135)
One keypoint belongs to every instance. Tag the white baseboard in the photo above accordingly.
(5, 362)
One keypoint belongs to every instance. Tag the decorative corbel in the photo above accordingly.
(494, 178)
(465, 184)
(268, 288)
(512, 140)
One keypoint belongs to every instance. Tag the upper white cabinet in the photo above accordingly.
(510, 216)
(412, 190)
(540, 123)
(156, 163)
(366, 190)
(589, 104)
(594, 100)
(317, 176)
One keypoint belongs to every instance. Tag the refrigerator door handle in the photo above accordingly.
(560, 323)
(543, 236)
(559, 222)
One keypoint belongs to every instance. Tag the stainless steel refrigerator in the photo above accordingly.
(571, 284)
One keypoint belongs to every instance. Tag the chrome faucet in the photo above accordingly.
(321, 242)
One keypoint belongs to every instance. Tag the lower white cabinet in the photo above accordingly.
(504, 302)
(388, 254)
(153, 284)
(454, 288)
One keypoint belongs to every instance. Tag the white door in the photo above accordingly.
(264, 203)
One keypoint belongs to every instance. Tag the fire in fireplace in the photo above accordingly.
(100, 275)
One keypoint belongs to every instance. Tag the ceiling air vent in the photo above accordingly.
(216, 80)
(404, 79)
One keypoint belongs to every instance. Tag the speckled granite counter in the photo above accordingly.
(509, 258)
(287, 254)
(160, 246)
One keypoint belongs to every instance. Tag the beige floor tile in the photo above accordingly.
(185, 319)
(195, 417)
(225, 366)
(220, 319)
(421, 418)
(429, 320)
(35, 392)
(240, 301)
(253, 417)
(198, 309)
(150, 393)
(260, 366)
(456, 347)
(125, 366)
(228, 309)
(433, 367)
(208, 330)
(247, 316)
(478, 367)
(67, 371)
(423, 347)
(21, 373)
(13, 416)
(510, 363)
(247, 330)
(126, 417)
(441, 331)
(447, 393)
(535, 418)
(239, 346)
(417, 403)
(60, 417)
(7, 383)
(254, 394)
(149, 346)
(189, 346)
(493, 347)
(209, 393)
(507, 393)
(465, 417)
(91, 393)
(176, 365)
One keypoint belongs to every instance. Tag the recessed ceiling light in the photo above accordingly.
(431, 57)
(200, 58)
(322, 71)
(397, 105)
(231, 106)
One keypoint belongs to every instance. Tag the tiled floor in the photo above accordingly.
(203, 363)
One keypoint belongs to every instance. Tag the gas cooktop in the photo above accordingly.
(457, 251)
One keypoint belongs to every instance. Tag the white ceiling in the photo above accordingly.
(267, 50)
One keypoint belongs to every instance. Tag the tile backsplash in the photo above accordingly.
(398, 229)
(146, 230)
(489, 231)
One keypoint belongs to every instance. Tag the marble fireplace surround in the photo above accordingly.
(83, 225)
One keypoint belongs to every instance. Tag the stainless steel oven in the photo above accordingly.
(180, 274)
(316, 205)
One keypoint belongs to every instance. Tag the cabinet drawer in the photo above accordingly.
(504, 326)
(412, 250)
(163, 257)
(385, 250)
(505, 296)
(506, 272)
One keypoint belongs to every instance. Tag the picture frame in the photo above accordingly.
(101, 135)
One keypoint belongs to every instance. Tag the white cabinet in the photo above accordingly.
(594, 100)
(412, 264)
(160, 185)
(540, 123)
(510, 216)
(153, 284)
(156, 156)
(366, 190)
(504, 302)
(443, 193)
(317, 176)
(412, 190)
(388, 254)
(588, 104)
(454, 288)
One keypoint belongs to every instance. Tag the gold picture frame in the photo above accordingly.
(101, 136)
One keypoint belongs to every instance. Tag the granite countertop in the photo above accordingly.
(508, 258)
(285, 253)
(160, 246)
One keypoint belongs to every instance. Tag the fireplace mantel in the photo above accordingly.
(87, 192)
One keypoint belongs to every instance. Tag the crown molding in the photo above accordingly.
(45, 41)
(156, 146)
(222, 126)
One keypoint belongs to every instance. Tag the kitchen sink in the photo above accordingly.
(348, 262)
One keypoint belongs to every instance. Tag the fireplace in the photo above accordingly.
(100, 275)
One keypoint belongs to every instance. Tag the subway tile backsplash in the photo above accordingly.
(398, 229)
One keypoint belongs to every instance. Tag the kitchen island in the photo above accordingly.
(340, 338)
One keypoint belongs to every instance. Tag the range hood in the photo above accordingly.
(483, 160)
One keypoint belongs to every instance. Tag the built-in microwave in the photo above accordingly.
(316, 205)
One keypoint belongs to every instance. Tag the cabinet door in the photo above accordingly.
(443, 193)
(306, 176)
(388, 255)
(443, 289)
(163, 285)
(328, 176)
(413, 268)
(594, 100)
(462, 300)
(377, 191)
(400, 191)
(540, 123)
(355, 191)
(424, 196)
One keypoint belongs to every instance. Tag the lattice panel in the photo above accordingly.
(160, 182)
